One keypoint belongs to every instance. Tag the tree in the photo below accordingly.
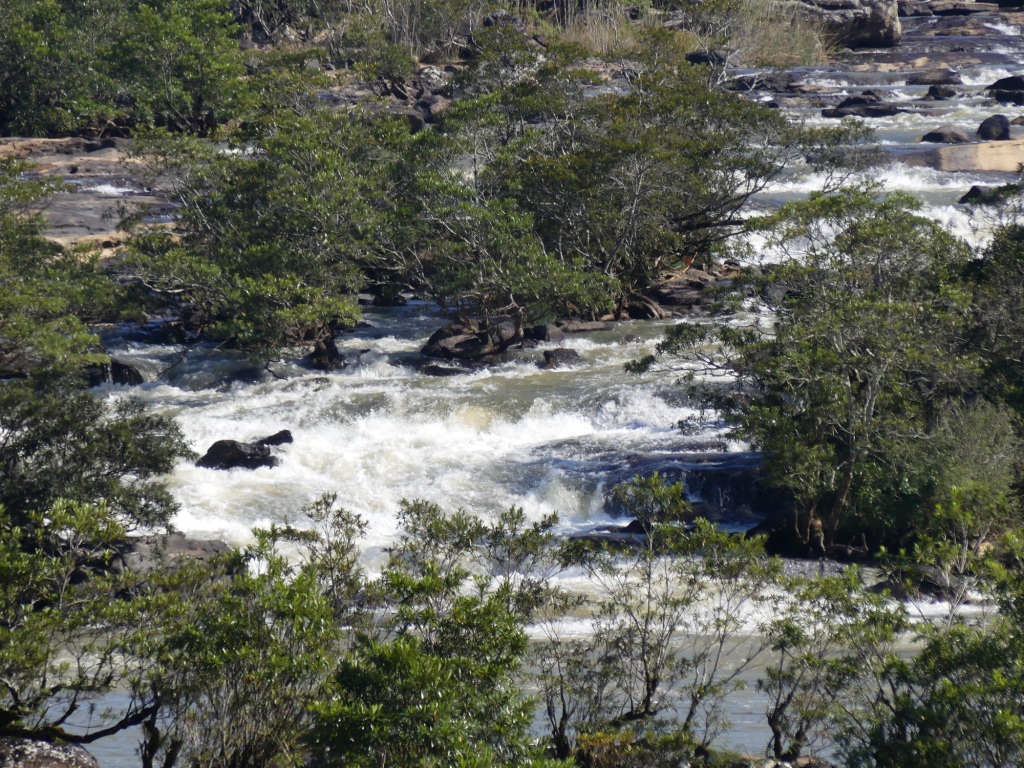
(436, 683)
(257, 260)
(669, 621)
(846, 390)
(62, 625)
(234, 655)
(46, 294)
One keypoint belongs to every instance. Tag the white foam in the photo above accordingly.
(109, 190)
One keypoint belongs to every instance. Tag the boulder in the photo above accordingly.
(458, 340)
(125, 373)
(714, 58)
(995, 128)
(935, 77)
(284, 437)
(940, 93)
(863, 110)
(1008, 96)
(948, 134)
(979, 195)
(561, 358)
(910, 8)
(857, 23)
(984, 157)
(961, 7)
(1012, 83)
(550, 333)
(28, 753)
(326, 356)
(233, 454)
(142, 555)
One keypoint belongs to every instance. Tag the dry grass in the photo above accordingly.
(770, 33)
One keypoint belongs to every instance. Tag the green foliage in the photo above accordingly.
(435, 684)
(120, 64)
(235, 654)
(57, 441)
(46, 295)
(868, 301)
(60, 623)
(257, 259)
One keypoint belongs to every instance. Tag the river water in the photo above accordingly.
(379, 430)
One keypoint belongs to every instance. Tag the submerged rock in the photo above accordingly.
(561, 358)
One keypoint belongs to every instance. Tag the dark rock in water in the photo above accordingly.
(863, 110)
(326, 356)
(144, 554)
(1008, 97)
(1017, 121)
(441, 370)
(866, 97)
(113, 372)
(458, 340)
(935, 77)
(28, 753)
(713, 57)
(284, 437)
(550, 333)
(561, 358)
(857, 23)
(948, 134)
(979, 195)
(630, 338)
(125, 373)
(995, 128)
(1012, 83)
(233, 454)
(940, 93)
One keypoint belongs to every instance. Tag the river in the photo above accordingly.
(513, 434)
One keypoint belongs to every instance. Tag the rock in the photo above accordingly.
(948, 134)
(865, 97)
(961, 7)
(284, 437)
(979, 195)
(856, 23)
(583, 326)
(996, 157)
(233, 454)
(1008, 97)
(864, 110)
(326, 356)
(1017, 121)
(125, 374)
(561, 358)
(311, 65)
(144, 554)
(911, 8)
(714, 58)
(502, 18)
(441, 370)
(1012, 83)
(550, 333)
(940, 93)
(457, 340)
(995, 128)
(29, 753)
(935, 77)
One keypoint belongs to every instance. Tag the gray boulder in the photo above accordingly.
(857, 23)
(948, 134)
(995, 128)
(561, 358)
(28, 753)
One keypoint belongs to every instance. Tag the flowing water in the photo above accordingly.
(379, 430)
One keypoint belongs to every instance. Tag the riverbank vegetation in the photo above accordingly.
(874, 362)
